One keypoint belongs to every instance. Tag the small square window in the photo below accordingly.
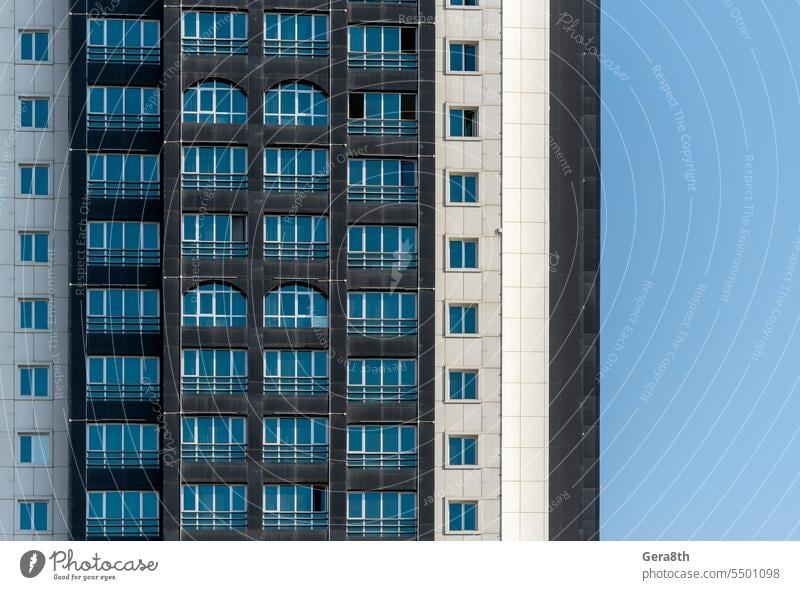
(463, 122)
(33, 314)
(33, 449)
(463, 188)
(34, 181)
(34, 113)
(462, 517)
(463, 319)
(463, 385)
(33, 381)
(33, 516)
(33, 247)
(33, 45)
(463, 57)
(463, 254)
(463, 2)
(462, 451)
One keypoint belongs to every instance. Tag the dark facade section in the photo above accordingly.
(574, 280)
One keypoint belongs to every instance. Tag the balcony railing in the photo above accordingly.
(382, 527)
(218, 249)
(381, 60)
(122, 528)
(381, 327)
(213, 452)
(367, 260)
(382, 193)
(123, 189)
(124, 257)
(128, 122)
(401, 127)
(114, 323)
(295, 453)
(296, 48)
(381, 393)
(295, 386)
(122, 459)
(214, 181)
(214, 520)
(380, 460)
(216, 46)
(117, 54)
(296, 183)
(122, 391)
(207, 385)
(296, 250)
(295, 521)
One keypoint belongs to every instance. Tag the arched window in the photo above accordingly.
(295, 103)
(295, 306)
(214, 305)
(214, 102)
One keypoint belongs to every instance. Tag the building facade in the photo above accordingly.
(332, 271)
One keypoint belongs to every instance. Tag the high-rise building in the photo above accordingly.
(333, 270)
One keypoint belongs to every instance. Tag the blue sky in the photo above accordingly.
(700, 278)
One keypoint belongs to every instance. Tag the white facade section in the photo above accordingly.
(31, 473)
(525, 270)
(475, 488)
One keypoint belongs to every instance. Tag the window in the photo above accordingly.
(123, 107)
(213, 235)
(214, 102)
(382, 314)
(214, 33)
(295, 507)
(387, 181)
(214, 168)
(295, 372)
(463, 2)
(382, 246)
(463, 254)
(382, 113)
(293, 170)
(33, 45)
(462, 517)
(123, 310)
(463, 385)
(295, 440)
(214, 507)
(296, 237)
(382, 48)
(381, 514)
(34, 181)
(381, 446)
(381, 380)
(463, 57)
(33, 449)
(296, 104)
(295, 306)
(123, 176)
(463, 123)
(295, 35)
(34, 113)
(122, 515)
(463, 319)
(214, 305)
(214, 372)
(33, 247)
(123, 40)
(463, 188)
(462, 451)
(34, 381)
(122, 445)
(33, 314)
(216, 439)
(123, 243)
(33, 516)
(122, 377)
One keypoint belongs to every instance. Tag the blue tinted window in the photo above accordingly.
(463, 57)
(33, 516)
(463, 254)
(463, 188)
(463, 123)
(463, 450)
(463, 385)
(34, 180)
(33, 247)
(34, 113)
(34, 45)
(33, 314)
(463, 319)
(463, 517)
(33, 381)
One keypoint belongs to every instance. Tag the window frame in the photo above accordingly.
(217, 247)
(232, 296)
(281, 249)
(35, 303)
(123, 189)
(235, 384)
(464, 108)
(402, 59)
(34, 381)
(381, 125)
(122, 53)
(146, 119)
(108, 362)
(280, 46)
(368, 259)
(214, 45)
(295, 520)
(295, 90)
(18, 462)
(464, 305)
(383, 459)
(463, 240)
(366, 396)
(462, 502)
(34, 247)
(294, 452)
(448, 179)
(448, 388)
(33, 530)
(237, 518)
(297, 181)
(449, 43)
(382, 193)
(317, 384)
(366, 325)
(214, 451)
(137, 457)
(34, 181)
(315, 321)
(214, 181)
(109, 324)
(34, 31)
(462, 436)
(217, 89)
(139, 521)
(110, 256)
(35, 101)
